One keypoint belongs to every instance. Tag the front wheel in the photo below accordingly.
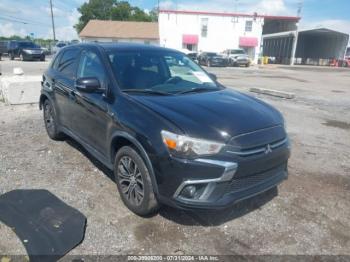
(21, 56)
(134, 182)
(12, 56)
(208, 64)
(42, 58)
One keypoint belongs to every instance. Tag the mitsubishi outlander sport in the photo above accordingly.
(170, 132)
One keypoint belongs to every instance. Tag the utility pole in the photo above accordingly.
(296, 34)
(53, 23)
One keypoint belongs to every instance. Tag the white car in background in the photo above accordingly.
(58, 46)
(237, 57)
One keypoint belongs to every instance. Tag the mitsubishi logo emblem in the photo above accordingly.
(268, 149)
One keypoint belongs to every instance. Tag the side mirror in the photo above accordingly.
(213, 76)
(88, 85)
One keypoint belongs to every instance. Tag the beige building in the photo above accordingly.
(120, 31)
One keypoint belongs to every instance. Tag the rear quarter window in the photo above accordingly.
(55, 61)
(68, 62)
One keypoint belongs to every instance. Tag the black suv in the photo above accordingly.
(171, 133)
(25, 50)
(212, 59)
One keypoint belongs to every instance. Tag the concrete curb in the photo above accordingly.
(271, 92)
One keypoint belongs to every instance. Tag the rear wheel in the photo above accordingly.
(50, 121)
(134, 182)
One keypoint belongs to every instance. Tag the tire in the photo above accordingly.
(12, 56)
(208, 64)
(21, 56)
(50, 121)
(42, 58)
(134, 182)
(247, 65)
(232, 63)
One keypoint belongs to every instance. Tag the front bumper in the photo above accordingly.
(33, 56)
(218, 63)
(219, 183)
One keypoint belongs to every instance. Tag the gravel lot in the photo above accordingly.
(309, 214)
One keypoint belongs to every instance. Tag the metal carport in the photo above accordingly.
(316, 46)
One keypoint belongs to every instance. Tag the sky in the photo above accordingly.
(24, 17)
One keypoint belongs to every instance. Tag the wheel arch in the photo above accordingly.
(120, 139)
(42, 99)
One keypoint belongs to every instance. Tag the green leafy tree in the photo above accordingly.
(112, 10)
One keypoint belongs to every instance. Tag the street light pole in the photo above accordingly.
(53, 23)
(296, 33)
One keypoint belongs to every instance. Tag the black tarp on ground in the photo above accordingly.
(47, 227)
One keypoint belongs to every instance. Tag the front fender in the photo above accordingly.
(122, 134)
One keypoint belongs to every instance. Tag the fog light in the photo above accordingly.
(188, 192)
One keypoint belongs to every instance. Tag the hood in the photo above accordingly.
(217, 57)
(215, 115)
(37, 49)
(241, 56)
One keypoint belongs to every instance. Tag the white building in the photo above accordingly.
(196, 31)
(215, 32)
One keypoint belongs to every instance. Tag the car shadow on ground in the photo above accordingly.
(193, 217)
(218, 217)
(92, 159)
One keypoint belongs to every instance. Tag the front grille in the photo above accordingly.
(259, 150)
(243, 183)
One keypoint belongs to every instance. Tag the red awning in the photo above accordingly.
(248, 41)
(190, 39)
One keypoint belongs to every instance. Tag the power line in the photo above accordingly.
(20, 21)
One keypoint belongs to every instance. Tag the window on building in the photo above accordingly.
(204, 27)
(248, 26)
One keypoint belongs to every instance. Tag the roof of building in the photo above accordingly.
(313, 31)
(293, 18)
(120, 29)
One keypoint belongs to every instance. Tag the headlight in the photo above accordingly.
(27, 51)
(184, 146)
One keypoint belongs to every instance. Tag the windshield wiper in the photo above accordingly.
(147, 91)
(197, 89)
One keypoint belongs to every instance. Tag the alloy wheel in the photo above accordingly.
(48, 117)
(130, 180)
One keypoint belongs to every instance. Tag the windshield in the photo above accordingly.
(27, 45)
(241, 52)
(212, 54)
(167, 72)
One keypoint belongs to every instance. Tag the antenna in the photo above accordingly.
(236, 6)
(300, 8)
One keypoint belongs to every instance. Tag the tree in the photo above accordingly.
(112, 10)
